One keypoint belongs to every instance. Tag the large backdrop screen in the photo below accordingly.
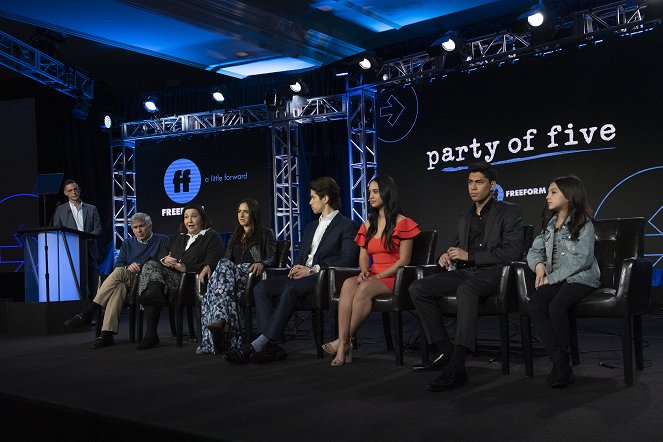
(592, 111)
(215, 171)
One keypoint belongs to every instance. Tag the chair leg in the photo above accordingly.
(637, 337)
(573, 340)
(248, 325)
(386, 326)
(627, 349)
(504, 341)
(132, 323)
(179, 313)
(141, 316)
(318, 331)
(398, 329)
(189, 319)
(526, 341)
(171, 317)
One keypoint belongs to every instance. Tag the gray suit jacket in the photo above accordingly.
(91, 222)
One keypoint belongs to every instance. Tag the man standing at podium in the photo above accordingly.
(135, 252)
(81, 216)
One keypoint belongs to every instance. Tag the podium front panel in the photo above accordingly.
(61, 273)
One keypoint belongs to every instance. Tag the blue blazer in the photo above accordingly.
(337, 247)
(91, 222)
(503, 234)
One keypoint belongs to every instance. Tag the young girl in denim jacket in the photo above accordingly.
(562, 257)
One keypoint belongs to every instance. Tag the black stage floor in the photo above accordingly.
(55, 388)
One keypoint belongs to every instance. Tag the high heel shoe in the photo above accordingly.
(329, 348)
(346, 344)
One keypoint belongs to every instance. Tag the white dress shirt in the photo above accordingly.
(323, 223)
(78, 216)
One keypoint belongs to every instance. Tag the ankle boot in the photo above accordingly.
(151, 339)
(563, 374)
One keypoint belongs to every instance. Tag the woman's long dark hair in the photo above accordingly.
(392, 208)
(579, 212)
(238, 236)
(206, 220)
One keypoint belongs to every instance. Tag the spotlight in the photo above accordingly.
(219, 94)
(108, 122)
(81, 108)
(151, 104)
(273, 100)
(368, 62)
(448, 43)
(535, 19)
(298, 87)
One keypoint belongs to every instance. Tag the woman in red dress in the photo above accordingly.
(385, 242)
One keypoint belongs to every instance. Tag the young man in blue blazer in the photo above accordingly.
(327, 242)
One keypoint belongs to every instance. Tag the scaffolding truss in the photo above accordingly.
(123, 161)
(32, 63)
(362, 148)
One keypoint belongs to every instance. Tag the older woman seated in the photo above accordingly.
(196, 248)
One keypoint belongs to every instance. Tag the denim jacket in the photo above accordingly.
(577, 263)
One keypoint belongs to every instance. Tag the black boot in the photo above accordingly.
(83, 318)
(151, 339)
(218, 330)
(563, 375)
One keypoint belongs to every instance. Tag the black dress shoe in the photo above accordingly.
(240, 356)
(563, 377)
(437, 362)
(270, 353)
(102, 341)
(148, 342)
(78, 321)
(450, 379)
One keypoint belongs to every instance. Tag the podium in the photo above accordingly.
(56, 275)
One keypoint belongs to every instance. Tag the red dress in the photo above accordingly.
(380, 256)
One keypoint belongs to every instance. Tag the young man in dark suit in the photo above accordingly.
(489, 235)
(327, 242)
(84, 217)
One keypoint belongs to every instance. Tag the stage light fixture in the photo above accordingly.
(298, 87)
(273, 100)
(445, 44)
(108, 122)
(535, 16)
(150, 104)
(81, 108)
(219, 94)
(368, 62)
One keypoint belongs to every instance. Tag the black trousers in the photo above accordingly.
(470, 286)
(549, 309)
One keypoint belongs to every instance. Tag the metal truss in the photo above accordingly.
(611, 17)
(214, 121)
(406, 67)
(32, 63)
(123, 160)
(319, 109)
(362, 148)
(496, 45)
(285, 168)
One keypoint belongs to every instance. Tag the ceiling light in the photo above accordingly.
(535, 19)
(368, 62)
(298, 87)
(108, 122)
(151, 104)
(449, 42)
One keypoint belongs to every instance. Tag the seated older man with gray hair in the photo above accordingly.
(135, 251)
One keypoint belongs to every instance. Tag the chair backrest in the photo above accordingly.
(528, 239)
(423, 248)
(616, 240)
(282, 253)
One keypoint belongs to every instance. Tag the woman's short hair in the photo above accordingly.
(327, 187)
(207, 222)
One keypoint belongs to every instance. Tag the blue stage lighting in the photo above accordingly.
(151, 104)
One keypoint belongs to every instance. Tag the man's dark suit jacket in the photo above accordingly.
(337, 247)
(503, 234)
(91, 223)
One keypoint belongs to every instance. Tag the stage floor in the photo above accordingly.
(55, 388)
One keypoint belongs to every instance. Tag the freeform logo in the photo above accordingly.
(527, 192)
(182, 180)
